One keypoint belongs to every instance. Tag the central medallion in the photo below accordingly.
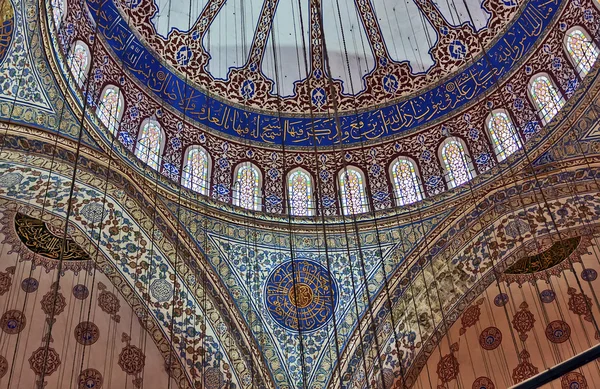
(301, 295)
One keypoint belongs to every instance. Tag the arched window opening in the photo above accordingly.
(456, 164)
(110, 108)
(79, 62)
(149, 144)
(546, 97)
(58, 11)
(581, 49)
(503, 134)
(300, 193)
(196, 170)
(406, 183)
(246, 189)
(352, 187)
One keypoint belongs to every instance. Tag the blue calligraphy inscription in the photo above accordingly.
(377, 123)
(300, 295)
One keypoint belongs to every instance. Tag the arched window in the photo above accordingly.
(503, 134)
(352, 187)
(456, 164)
(79, 61)
(300, 193)
(246, 188)
(110, 108)
(58, 11)
(581, 49)
(196, 170)
(406, 184)
(149, 144)
(546, 97)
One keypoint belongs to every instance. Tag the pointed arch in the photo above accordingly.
(110, 107)
(503, 134)
(79, 61)
(247, 186)
(196, 169)
(405, 179)
(545, 96)
(581, 50)
(352, 191)
(457, 164)
(300, 192)
(150, 143)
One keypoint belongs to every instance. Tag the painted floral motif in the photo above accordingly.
(44, 361)
(523, 321)
(13, 322)
(448, 366)
(108, 302)
(580, 304)
(524, 369)
(53, 303)
(573, 380)
(213, 378)
(547, 296)
(471, 316)
(483, 383)
(80, 292)
(132, 360)
(87, 333)
(490, 338)
(29, 285)
(558, 331)
(6, 279)
(501, 300)
(90, 379)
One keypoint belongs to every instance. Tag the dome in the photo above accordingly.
(284, 194)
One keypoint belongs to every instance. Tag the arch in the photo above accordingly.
(581, 50)
(59, 8)
(150, 143)
(352, 191)
(457, 164)
(503, 134)
(404, 175)
(300, 192)
(545, 96)
(79, 61)
(247, 186)
(110, 107)
(196, 170)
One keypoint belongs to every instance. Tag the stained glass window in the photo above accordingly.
(458, 169)
(582, 50)
(503, 134)
(354, 200)
(246, 190)
(79, 61)
(300, 193)
(110, 108)
(405, 181)
(58, 10)
(547, 98)
(149, 144)
(196, 170)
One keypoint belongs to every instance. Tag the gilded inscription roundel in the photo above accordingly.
(301, 295)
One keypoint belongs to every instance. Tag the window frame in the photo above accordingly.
(207, 179)
(235, 191)
(311, 200)
(577, 66)
(501, 154)
(364, 200)
(467, 157)
(544, 119)
(420, 191)
(113, 128)
(86, 71)
(161, 142)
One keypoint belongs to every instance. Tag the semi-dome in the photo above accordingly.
(281, 194)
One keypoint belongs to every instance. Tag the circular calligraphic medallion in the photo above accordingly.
(301, 296)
